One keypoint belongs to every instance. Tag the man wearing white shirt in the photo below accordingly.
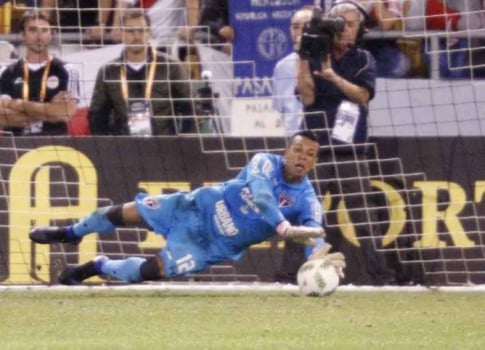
(284, 76)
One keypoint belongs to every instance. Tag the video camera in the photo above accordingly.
(318, 34)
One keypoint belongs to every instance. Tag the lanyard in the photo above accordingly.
(43, 84)
(149, 79)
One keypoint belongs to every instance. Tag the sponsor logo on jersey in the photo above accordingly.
(285, 200)
(223, 220)
(151, 202)
(52, 82)
(247, 198)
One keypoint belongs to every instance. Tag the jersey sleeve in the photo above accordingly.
(260, 174)
(311, 211)
(312, 216)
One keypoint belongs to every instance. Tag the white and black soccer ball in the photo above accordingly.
(317, 278)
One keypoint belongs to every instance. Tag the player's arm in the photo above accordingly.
(260, 183)
(266, 203)
(311, 215)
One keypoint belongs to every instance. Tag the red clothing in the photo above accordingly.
(441, 17)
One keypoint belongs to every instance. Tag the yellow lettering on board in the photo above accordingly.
(449, 216)
(396, 207)
(30, 205)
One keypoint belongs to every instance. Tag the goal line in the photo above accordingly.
(258, 287)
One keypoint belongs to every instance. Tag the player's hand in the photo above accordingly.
(301, 234)
(336, 259)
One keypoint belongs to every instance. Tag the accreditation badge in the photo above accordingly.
(346, 122)
(139, 118)
(33, 129)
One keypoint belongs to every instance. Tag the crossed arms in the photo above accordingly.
(20, 113)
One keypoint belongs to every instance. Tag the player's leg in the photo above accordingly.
(133, 269)
(185, 253)
(102, 220)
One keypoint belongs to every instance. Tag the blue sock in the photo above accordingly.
(94, 222)
(127, 269)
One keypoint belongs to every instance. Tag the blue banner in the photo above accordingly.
(262, 31)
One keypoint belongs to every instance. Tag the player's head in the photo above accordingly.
(300, 155)
(36, 31)
(298, 20)
(135, 25)
(354, 17)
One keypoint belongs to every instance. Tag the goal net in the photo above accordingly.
(421, 217)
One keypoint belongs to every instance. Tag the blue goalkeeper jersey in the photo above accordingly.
(247, 209)
(213, 224)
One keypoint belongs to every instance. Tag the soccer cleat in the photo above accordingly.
(74, 275)
(52, 234)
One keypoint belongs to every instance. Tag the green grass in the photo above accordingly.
(183, 320)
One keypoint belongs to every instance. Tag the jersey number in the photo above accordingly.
(185, 264)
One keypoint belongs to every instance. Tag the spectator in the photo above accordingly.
(335, 90)
(385, 15)
(91, 17)
(143, 92)
(439, 15)
(210, 46)
(170, 20)
(39, 92)
(284, 76)
(214, 28)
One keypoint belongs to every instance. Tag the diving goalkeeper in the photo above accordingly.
(272, 195)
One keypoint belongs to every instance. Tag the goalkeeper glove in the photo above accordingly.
(300, 234)
(336, 259)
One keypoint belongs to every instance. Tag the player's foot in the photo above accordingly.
(52, 234)
(73, 275)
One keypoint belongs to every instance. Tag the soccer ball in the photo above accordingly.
(317, 278)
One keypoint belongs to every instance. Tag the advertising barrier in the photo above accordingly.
(431, 233)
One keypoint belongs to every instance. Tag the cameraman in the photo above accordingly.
(335, 86)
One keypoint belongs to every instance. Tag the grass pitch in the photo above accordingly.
(235, 320)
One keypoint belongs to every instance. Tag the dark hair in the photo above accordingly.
(308, 134)
(133, 14)
(31, 15)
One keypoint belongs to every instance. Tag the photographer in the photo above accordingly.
(336, 81)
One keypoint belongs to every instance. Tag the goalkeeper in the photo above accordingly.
(272, 195)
